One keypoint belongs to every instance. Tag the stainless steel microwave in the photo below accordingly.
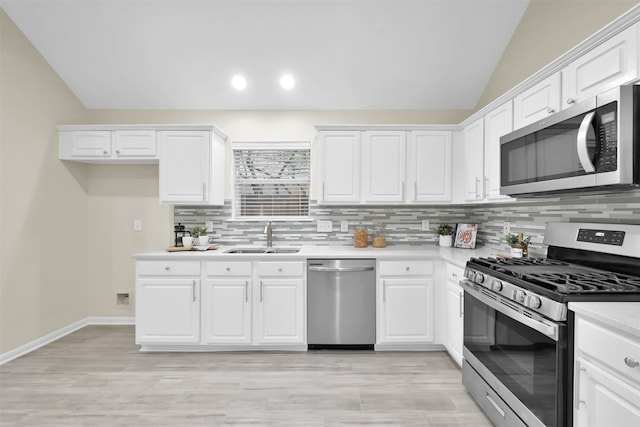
(593, 146)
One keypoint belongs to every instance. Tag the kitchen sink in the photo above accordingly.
(262, 251)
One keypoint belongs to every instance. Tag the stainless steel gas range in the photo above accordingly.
(518, 333)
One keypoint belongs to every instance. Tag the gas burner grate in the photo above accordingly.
(584, 282)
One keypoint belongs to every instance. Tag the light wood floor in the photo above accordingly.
(97, 377)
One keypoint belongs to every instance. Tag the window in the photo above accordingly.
(271, 180)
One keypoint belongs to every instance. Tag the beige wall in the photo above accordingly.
(43, 202)
(548, 29)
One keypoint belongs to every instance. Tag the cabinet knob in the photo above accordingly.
(454, 275)
(228, 268)
(408, 268)
(167, 268)
(631, 362)
(105, 152)
(117, 151)
(571, 101)
(550, 110)
(279, 270)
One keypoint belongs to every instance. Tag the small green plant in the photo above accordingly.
(197, 231)
(512, 239)
(445, 230)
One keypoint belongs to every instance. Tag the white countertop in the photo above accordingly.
(453, 255)
(620, 315)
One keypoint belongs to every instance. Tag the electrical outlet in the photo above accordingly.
(344, 226)
(325, 226)
(425, 225)
(506, 227)
(137, 225)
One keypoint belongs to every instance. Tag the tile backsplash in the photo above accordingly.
(404, 223)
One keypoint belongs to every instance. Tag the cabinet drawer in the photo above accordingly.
(454, 273)
(608, 347)
(168, 268)
(280, 269)
(405, 268)
(229, 268)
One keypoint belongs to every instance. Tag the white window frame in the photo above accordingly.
(268, 145)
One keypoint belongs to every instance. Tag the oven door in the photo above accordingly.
(519, 355)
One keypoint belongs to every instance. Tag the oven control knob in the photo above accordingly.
(479, 278)
(470, 274)
(518, 296)
(534, 302)
(496, 285)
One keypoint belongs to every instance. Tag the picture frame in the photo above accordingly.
(465, 236)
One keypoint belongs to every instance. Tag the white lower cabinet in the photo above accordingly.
(169, 311)
(454, 302)
(606, 376)
(279, 312)
(226, 311)
(405, 302)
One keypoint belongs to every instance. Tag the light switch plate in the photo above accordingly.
(137, 225)
(506, 227)
(425, 225)
(344, 226)
(325, 226)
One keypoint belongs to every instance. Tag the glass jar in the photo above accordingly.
(360, 237)
(379, 239)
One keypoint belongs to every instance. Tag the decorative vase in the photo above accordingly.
(446, 241)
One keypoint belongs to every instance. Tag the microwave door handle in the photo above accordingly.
(581, 143)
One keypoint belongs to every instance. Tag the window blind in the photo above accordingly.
(271, 181)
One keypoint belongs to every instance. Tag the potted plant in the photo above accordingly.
(519, 245)
(200, 233)
(445, 231)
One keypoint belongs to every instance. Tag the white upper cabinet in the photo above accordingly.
(107, 144)
(135, 143)
(537, 102)
(383, 166)
(497, 123)
(387, 166)
(473, 160)
(191, 167)
(339, 162)
(429, 166)
(611, 64)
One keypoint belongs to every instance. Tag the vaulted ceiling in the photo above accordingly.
(343, 54)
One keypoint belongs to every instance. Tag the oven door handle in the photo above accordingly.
(546, 328)
(581, 143)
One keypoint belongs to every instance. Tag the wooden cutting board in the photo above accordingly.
(183, 249)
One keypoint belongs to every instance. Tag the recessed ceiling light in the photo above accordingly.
(287, 81)
(239, 82)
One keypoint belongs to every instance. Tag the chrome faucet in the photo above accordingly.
(268, 230)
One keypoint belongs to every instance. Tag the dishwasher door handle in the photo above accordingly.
(341, 269)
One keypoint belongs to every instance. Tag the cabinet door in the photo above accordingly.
(602, 399)
(226, 311)
(537, 102)
(90, 144)
(497, 123)
(406, 314)
(184, 166)
(473, 160)
(429, 166)
(167, 311)
(339, 159)
(279, 311)
(383, 166)
(613, 63)
(455, 321)
(135, 143)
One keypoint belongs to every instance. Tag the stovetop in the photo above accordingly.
(561, 281)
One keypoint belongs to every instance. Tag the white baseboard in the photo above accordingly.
(55, 335)
(111, 320)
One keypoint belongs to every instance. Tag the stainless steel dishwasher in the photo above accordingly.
(341, 303)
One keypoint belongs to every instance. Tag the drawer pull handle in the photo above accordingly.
(631, 362)
(495, 405)
(167, 268)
